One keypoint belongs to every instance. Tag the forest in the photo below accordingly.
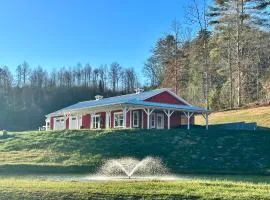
(225, 64)
(27, 95)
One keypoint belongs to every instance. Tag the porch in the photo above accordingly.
(129, 116)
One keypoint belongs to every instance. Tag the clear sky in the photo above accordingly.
(56, 33)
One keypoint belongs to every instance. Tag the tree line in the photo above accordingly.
(28, 93)
(226, 65)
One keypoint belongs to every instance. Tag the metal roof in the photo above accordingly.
(167, 106)
(135, 99)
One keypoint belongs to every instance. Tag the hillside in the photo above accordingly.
(261, 115)
(195, 151)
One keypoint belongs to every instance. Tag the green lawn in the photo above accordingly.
(195, 151)
(196, 189)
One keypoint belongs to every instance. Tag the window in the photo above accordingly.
(118, 120)
(96, 121)
(153, 120)
(135, 118)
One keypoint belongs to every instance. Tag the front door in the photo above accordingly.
(160, 121)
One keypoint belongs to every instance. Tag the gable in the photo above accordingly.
(166, 97)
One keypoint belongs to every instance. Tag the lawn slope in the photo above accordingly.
(261, 115)
(195, 151)
(30, 189)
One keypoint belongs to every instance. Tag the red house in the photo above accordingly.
(159, 109)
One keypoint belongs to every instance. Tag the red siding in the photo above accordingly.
(144, 120)
(52, 122)
(175, 119)
(67, 123)
(140, 117)
(86, 121)
(165, 97)
(128, 119)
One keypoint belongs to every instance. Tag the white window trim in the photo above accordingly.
(117, 113)
(138, 118)
(78, 121)
(151, 126)
(94, 116)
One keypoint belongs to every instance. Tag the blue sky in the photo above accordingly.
(56, 33)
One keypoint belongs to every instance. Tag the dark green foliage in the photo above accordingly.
(29, 94)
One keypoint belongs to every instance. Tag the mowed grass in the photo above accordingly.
(182, 151)
(196, 189)
(261, 115)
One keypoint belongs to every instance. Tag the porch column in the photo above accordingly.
(169, 114)
(125, 111)
(92, 121)
(188, 115)
(78, 121)
(108, 119)
(148, 112)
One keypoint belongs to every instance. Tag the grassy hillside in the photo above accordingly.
(261, 115)
(195, 151)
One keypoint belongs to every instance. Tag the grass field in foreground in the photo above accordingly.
(261, 115)
(197, 189)
(194, 151)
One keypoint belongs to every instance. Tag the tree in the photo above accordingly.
(197, 14)
(114, 75)
(237, 17)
